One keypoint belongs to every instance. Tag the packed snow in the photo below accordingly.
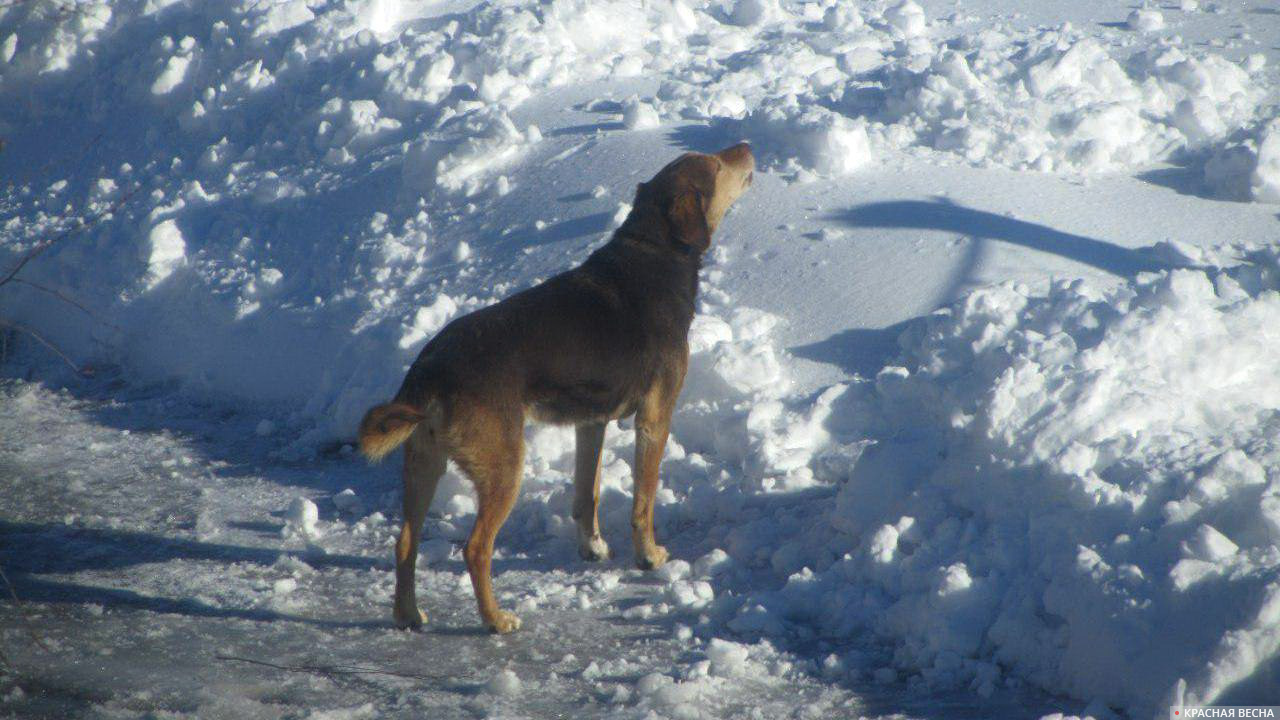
(982, 404)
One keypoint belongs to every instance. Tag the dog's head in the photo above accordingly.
(693, 192)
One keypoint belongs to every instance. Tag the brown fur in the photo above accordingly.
(385, 428)
(604, 340)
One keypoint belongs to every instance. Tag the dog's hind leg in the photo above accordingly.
(586, 491)
(424, 463)
(493, 457)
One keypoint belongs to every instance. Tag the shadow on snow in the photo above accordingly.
(864, 351)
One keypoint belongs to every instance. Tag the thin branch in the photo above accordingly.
(12, 593)
(39, 171)
(17, 603)
(84, 224)
(68, 300)
(40, 339)
(35, 252)
(328, 669)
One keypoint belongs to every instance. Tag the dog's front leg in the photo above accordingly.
(653, 423)
(586, 491)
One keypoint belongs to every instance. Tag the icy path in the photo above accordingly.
(144, 537)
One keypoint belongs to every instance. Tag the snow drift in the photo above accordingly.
(1074, 486)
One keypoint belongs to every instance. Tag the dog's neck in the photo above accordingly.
(650, 226)
(647, 235)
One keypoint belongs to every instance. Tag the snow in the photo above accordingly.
(165, 250)
(753, 12)
(639, 115)
(727, 658)
(301, 517)
(505, 683)
(1265, 179)
(175, 69)
(907, 18)
(981, 404)
(349, 502)
(1087, 448)
(1146, 20)
(428, 320)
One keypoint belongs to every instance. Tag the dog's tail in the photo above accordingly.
(385, 427)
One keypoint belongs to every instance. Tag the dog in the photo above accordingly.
(599, 342)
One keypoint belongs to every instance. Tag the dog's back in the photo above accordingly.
(582, 346)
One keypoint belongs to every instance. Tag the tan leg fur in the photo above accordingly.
(424, 463)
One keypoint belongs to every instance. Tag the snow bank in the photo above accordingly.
(1045, 99)
(1094, 445)
(300, 164)
(1070, 487)
(1061, 101)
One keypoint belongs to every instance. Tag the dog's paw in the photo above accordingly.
(411, 619)
(593, 548)
(503, 622)
(652, 558)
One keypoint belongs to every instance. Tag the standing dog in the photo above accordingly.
(602, 341)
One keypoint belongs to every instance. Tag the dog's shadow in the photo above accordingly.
(595, 224)
(29, 552)
(706, 138)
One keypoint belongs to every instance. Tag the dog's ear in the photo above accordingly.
(688, 220)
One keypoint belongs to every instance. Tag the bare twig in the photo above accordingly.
(5, 658)
(68, 300)
(40, 339)
(12, 593)
(39, 171)
(84, 224)
(35, 252)
(17, 603)
(328, 669)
